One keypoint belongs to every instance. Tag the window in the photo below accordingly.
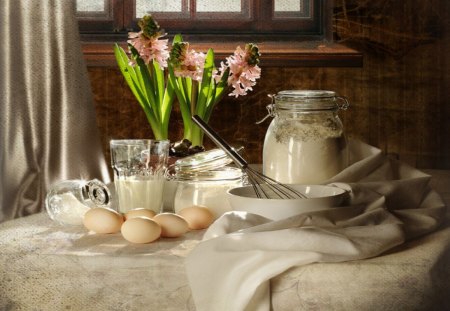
(285, 18)
(289, 32)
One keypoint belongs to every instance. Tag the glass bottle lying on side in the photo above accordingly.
(67, 201)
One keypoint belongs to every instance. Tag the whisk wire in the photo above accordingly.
(264, 186)
(270, 188)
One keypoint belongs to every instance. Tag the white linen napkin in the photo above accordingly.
(390, 203)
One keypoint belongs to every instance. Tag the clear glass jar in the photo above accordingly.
(305, 142)
(204, 179)
(67, 201)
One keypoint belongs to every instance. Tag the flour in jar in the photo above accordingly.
(303, 153)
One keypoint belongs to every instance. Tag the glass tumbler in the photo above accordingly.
(139, 167)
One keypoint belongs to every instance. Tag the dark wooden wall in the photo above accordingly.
(399, 97)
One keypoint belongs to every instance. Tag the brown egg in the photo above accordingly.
(197, 217)
(102, 220)
(144, 212)
(140, 230)
(172, 225)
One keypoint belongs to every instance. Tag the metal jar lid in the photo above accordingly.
(96, 192)
(305, 101)
(309, 100)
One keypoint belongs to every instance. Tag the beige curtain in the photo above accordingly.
(48, 130)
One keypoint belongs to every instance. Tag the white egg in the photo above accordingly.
(140, 230)
(197, 217)
(144, 212)
(172, 225)
(102, 220)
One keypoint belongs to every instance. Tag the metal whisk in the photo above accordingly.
(264, 186)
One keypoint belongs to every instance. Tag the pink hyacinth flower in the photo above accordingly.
(150, 49)
(191, 65)
(242, 74)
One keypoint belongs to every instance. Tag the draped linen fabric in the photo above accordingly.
(389, 203)
(48, 129)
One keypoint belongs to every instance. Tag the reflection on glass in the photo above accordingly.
(288, 5)
(148, 6)
(223, 6)
(90, 5)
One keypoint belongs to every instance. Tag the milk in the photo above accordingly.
(139, 193)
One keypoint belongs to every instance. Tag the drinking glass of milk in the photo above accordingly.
(139, 167)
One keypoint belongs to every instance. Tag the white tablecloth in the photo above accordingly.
(46, 267)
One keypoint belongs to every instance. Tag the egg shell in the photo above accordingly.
(102, 220)
(140, 230)
(172, 225)
(197, 217)
(144, 212)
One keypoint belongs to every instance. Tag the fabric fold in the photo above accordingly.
(389, 203)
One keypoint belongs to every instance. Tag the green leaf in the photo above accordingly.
(176, 83)
(132, 79)
(147, 83)
(159, 80)
(166, 107)
(205, 89)
(177, 38)
(219, 91)
(129, 74)
(187, 89)
(222, 86)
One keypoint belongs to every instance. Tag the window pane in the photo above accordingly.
(287, 5)
(265, 17)
(149, 6)
(90, 5)
(222, 6)
(297, 9)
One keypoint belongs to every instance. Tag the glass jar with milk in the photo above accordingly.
(305, 142)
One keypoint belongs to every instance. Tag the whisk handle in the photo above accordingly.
(220, 142)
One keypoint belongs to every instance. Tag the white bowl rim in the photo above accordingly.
(338, 191)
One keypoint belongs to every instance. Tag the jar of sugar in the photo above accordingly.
(305, 142)
(203, 179)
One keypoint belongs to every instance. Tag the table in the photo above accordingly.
(46, 267)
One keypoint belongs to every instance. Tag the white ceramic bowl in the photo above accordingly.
(319, 197)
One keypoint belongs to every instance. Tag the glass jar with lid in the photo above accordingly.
(305, 143)
(203, 179)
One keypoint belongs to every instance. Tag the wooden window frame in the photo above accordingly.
(279, 40)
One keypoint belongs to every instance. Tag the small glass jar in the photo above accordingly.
(203, 179)
(67, 201)
(305, 142)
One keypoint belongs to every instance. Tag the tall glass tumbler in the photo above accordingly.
(139, 167)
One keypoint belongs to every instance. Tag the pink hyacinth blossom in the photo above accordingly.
(150, 49)
(192, 65)
(243, 71)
